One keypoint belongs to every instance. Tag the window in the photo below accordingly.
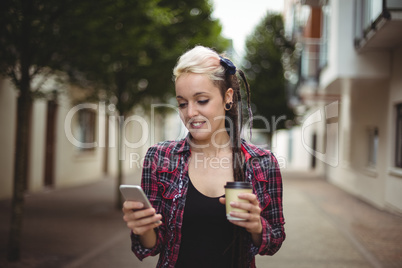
(86, 130)
(372, 146)
(325, 36)
(398, 136)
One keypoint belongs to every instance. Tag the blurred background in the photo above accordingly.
(86, 87)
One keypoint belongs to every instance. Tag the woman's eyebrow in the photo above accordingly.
(196, 94)
(199, 93)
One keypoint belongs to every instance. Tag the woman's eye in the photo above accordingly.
(202, 102)
(182, 105)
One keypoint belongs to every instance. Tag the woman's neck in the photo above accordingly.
(219, 145)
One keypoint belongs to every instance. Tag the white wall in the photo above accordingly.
(363, 105)
(38, 143)
(290, 149)
(343, 61)
(369, 108)
(370, 85)
(73, 167)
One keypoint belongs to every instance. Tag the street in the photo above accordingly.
(325, 227)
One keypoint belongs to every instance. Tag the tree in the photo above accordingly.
(268, 56)
(28, 44)
(138, 51)
(107, 42)
(113, 54)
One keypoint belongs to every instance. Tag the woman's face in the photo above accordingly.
(202, 107)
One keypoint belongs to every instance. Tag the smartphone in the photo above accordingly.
(135, 193)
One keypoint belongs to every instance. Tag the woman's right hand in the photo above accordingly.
(140, 221)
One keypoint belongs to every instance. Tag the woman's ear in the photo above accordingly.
(229, 95)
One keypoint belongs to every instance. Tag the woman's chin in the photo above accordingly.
(199, 136)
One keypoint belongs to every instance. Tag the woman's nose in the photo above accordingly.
(191, 110)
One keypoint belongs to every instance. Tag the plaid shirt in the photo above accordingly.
(165, 182)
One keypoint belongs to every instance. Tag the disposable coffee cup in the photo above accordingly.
(232, 190)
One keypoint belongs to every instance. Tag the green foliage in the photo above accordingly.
(29, 40)
(124, 50)
(128, 50)
(268, 52)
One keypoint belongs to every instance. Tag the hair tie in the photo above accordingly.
(230, 68)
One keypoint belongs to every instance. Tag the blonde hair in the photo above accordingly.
(200, 60)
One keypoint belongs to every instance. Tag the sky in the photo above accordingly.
(239, 17)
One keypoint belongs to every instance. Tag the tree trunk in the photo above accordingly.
(22, 134)
(120, 151)
(20, 171)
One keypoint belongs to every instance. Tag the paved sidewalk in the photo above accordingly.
(325, 227)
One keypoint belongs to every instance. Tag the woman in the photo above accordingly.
(184, 180)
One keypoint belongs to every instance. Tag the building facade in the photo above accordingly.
(350, 93)
(72, 145)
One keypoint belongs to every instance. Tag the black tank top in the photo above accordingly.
(206, 233)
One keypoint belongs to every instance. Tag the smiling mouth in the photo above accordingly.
(196, 124)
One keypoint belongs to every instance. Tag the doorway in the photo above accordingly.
(50, 146)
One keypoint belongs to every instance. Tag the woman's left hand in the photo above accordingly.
(252, 218)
